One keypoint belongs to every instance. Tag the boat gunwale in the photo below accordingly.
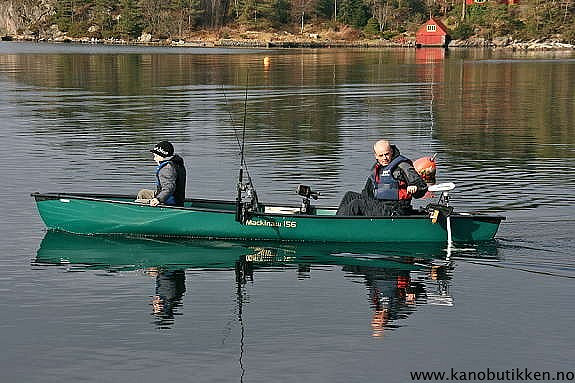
(107, 198)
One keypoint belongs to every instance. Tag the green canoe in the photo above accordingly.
(200, 218)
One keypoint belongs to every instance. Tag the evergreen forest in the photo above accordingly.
(352, 19)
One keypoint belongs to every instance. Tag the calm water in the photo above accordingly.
(80, 118)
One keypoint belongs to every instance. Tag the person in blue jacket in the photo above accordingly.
(170, 178)
(388, 191)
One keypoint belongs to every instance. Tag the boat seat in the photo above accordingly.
(281, 210)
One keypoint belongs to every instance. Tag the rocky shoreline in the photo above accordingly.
(510, 43)
(310, 41)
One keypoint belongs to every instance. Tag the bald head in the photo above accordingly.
(383, 152)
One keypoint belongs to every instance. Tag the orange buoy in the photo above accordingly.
(267, 63)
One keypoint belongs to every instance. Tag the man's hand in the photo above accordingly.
(156, 202)
(410, 189)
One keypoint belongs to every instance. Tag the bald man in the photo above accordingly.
(388, 191)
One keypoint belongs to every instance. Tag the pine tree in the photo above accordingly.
(102, 15)
(63, 14)
(354, 13)
(188, 13)
(129, 22)
(280, 12)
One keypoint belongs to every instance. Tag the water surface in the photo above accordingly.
(82, 118)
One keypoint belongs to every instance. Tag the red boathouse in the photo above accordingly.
(432, 34)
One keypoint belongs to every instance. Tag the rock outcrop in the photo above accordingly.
(23, 17)
(509, 43)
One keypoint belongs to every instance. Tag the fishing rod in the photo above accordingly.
(243, 271)
(249, 201)
(240, 146)
(240, 216)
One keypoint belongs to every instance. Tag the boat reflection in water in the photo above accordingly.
(395, 293)
(170, 289)
(398, 277)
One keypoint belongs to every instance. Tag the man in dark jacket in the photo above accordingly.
(389, 188)
(170, 178)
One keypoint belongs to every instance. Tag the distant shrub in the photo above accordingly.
(371, 29)
(463, 31)
(388, 35)
(78, 30)
(569, 35)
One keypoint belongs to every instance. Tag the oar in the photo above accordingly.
(445, 188)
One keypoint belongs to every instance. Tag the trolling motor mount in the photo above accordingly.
(444, 188)
(248, 201)
(306, 192)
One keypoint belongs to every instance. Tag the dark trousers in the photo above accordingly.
(355, 204)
